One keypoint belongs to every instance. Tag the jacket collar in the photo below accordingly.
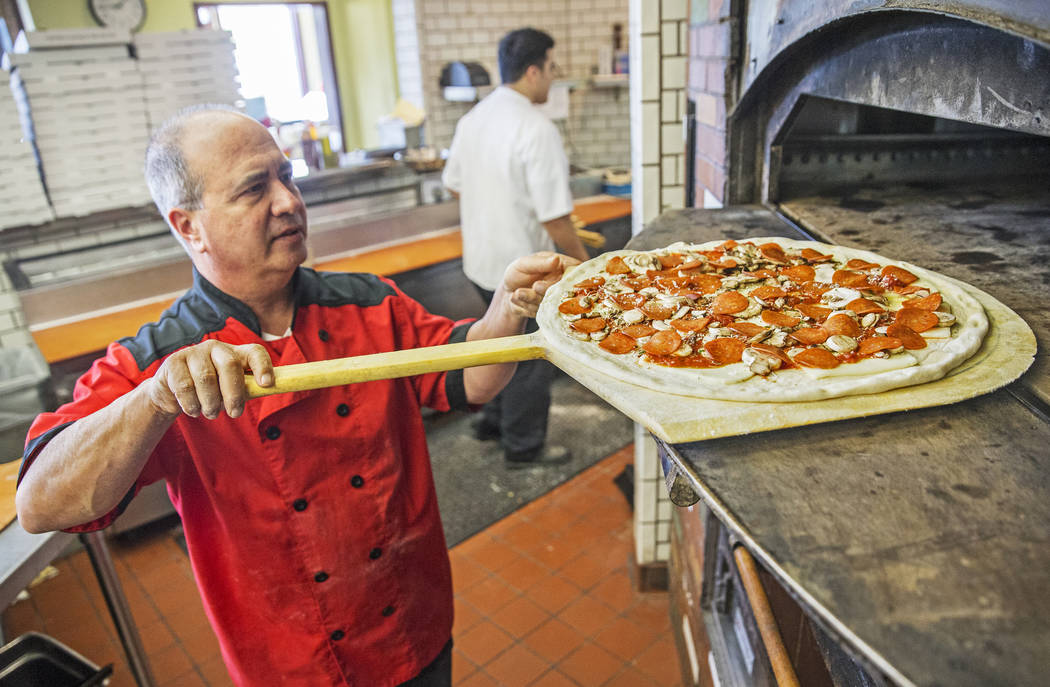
(227, 306)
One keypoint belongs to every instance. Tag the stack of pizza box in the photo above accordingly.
(183, 68)
(84, 97)
(21, 190)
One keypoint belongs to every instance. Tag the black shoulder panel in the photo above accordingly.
(334, 289)
(186, 322)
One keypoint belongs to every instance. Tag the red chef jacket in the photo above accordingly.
(311, 520)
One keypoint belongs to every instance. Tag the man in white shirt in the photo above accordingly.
(508, 168)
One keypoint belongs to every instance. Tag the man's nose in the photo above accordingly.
(286, 198)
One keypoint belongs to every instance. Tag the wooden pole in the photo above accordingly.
(783, 671)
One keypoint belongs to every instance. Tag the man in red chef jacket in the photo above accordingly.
(310, 517)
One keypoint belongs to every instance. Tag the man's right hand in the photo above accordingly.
(207, 378)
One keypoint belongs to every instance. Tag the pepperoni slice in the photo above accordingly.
(817, 357)
(897, 274)
(878, 343)
(772, 350)
(809, 335)
(690, 325)
(592, 283)
(862, 306)
(814, 288)
(907, 290)
(766, 292)
(691, 265)
(617, 343)
(629, 301)
(841, 324)
(931, 302)
(799, 274)
(725, 350)
(637, 283)
(849, 278)
(664, 342)
(658, 310)
(779, 319)
(814, 312)
(911, 340)
(725, 264)
(729, 244)
(707, 283)
(858, 264)
(637, 331)
(589, 324)
(572, 306)
(773, 251)
(918, 320)
(672, 260)
(764, 273)
(728, 303)
(811, 255)
(746, 328)
(617, 266)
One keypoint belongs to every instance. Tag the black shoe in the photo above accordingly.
(483, 431)
(537, 457)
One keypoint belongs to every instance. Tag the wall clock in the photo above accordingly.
(119, 14)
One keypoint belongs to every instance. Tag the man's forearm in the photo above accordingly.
(88, 467)
(483, 383)
(565, 237)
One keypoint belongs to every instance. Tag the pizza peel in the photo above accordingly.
(1007, 350)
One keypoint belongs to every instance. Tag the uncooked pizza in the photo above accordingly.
(765, 319)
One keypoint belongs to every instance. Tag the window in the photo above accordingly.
(284, 57)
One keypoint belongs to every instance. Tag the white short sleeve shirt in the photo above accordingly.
(509, 167)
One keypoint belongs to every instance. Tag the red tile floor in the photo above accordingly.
(543, 598)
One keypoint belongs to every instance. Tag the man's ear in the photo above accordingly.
(182, 221)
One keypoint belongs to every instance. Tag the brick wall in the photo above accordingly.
(596, 132)
(712, 33)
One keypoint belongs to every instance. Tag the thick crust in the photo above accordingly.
(736, 383)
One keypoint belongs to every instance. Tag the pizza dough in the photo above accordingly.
(759, 377)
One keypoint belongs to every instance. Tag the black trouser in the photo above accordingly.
(521, 409)
(437, 674)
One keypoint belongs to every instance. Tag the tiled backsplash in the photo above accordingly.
(597, 130)
(657, 110)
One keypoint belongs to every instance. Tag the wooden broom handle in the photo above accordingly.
(414, 361)
(783, 671)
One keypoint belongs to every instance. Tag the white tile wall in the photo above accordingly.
(658, 168)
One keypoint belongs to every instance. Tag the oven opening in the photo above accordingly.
(833, 147)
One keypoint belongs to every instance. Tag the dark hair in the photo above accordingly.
(519, 50)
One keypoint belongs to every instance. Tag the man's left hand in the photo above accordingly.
(528, 278)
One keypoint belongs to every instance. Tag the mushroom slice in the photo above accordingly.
(760, 362)
(840, 343)
(944, 319)
(633, 316)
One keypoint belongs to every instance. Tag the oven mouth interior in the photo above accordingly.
(833, 147)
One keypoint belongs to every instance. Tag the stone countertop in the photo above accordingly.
(918, 538)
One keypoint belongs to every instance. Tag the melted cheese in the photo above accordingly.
(865, 367)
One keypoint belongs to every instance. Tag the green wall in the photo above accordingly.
(362, 46)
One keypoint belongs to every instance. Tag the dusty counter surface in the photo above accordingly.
(920, 539)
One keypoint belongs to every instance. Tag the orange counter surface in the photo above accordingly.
(93, 333)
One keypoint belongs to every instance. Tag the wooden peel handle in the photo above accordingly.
(415, 361)
(783, 670)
